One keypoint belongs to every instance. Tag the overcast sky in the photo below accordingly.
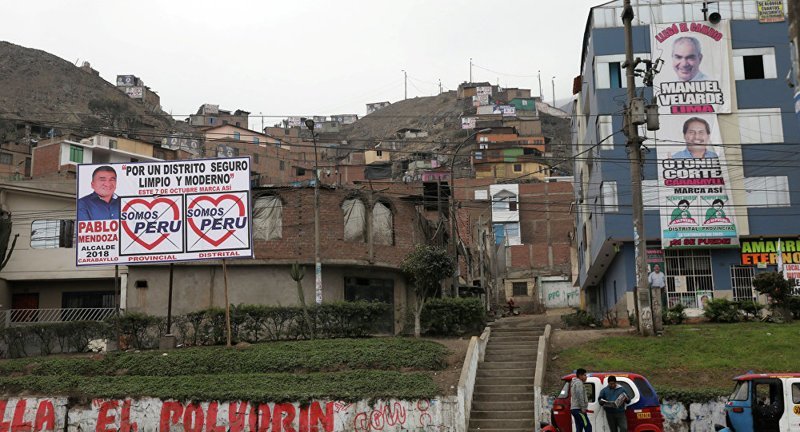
(314, 57)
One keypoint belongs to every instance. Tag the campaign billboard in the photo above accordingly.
(135, 213)
(696, 206)
(695, 77)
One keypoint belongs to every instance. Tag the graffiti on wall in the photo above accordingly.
(148, 414)
(561, 295)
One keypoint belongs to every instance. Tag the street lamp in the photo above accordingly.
(453, 206)
(317, 263)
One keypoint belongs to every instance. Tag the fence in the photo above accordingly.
(18, 317)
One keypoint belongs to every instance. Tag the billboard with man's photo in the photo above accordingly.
(695, 77)
(696, 206)
(136, 213)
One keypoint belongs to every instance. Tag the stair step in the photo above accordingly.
(493, 365)
(503, 397)
(505, 373)
(501, 388)
(499, 415)
(481, 381)
(506, 329)
(483, 424)
(510, 347)
(510, 356)
(503, 405)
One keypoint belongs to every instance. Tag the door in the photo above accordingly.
(768, 404)
(380, 290)
(593, 386)
(25, 307)
(793, 404)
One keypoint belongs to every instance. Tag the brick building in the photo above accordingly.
(364, 238)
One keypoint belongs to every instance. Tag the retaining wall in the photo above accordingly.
(149, 414)
(678, 417)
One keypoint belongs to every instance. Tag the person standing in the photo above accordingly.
(656, 278)
(579, 403)
(613, 399)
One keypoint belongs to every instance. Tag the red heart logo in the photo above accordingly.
(149, 205)
(216, 202)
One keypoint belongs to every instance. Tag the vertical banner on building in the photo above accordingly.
(695, 77)
(163, 211)
(697, 209)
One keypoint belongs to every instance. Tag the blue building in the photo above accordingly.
(724, 80)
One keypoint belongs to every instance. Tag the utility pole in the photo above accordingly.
(541, 93)
(440, 86)
(317, 262)
(553, 81)
(634, 144)
(405, 85)
(470, 69)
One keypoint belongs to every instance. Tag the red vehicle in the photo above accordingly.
(643, 411)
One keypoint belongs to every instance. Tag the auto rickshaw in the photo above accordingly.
(643, 412)
(768, 402)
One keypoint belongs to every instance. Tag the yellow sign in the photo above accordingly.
(643, 415)
(797, 409)
(770, 11)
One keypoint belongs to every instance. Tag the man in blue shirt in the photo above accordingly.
(613, 399)
(103, 203)
(697, 134)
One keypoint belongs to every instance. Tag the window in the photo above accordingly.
(282, 165)
(141, 284)
(483, 146)
(742, 283)
(300, 171)
(112, 144)
(379, 153)
(767, 191)
(605, 132)
(484, 139)
(6, 158)
(382, 224)
(689, 277)
(52, 234)
(355, 219)
(211, 120)
(754, 63)
(97, 299)
(76, 154)
(502, 201)
(590, 394)
(609, 72)
(644, 388)
(267, 218)
(760, 126)
(255, 140)
(237, 136)
(610, 201)
(796, 393)
(238, 124)
(517, 167)
(741, 392)
(519, 288)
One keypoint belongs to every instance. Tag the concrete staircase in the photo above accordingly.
(503, 398)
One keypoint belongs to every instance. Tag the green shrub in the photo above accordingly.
(580, 318)
(794, 306)
(675, 314)
(751, 309)
(722, 311)
(453, 316)
(140, 330)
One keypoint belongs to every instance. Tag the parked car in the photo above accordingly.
(768, 402)
(643, 411)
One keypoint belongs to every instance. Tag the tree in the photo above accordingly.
(425, 269)
(779, 290)
(297, 274)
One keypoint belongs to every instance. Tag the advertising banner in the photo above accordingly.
(765, 251)
(791, 272)
(468, 122)
(135, 92)
(695, 77)
(134, 213)
(697, 210)
(126, 80)
(770, 11)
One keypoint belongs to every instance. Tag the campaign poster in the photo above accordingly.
(695, 77)
(696, 206)
(136, 213)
